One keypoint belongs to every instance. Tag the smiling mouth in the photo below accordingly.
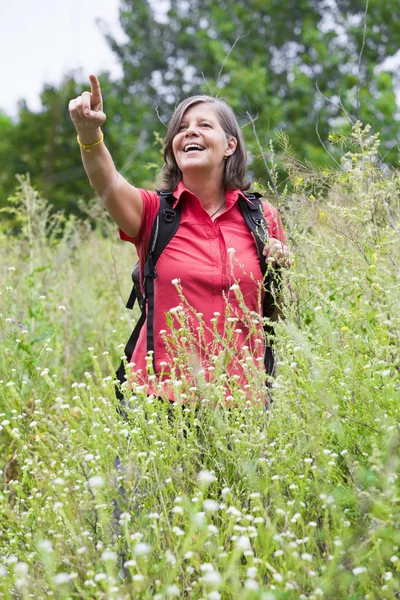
(193, 148)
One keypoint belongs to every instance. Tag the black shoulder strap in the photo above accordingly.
(160, 236)
(253, 213)
(164, 228)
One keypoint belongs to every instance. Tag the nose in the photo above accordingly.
(191, 130)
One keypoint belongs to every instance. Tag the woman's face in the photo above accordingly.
(201, 142)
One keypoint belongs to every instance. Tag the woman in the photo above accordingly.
(208, 277)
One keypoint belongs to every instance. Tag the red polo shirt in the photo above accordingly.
(218, 298)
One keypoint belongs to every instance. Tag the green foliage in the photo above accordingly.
(301, 501)
(294, 67)
(281, 62)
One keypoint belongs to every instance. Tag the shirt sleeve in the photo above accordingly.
(151, 206)
(275, 227)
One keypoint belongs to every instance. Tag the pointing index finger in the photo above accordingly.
(95, 89)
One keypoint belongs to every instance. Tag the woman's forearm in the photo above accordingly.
(98, 164)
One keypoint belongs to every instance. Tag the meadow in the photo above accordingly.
(300, 501)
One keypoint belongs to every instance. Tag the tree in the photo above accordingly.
(44, 143)
(295, 65)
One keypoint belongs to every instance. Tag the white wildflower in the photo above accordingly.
(307, 557)
(109, 555)
(213, 529)
(45, 546)
(232, 510)
(252, 572)
(141, 549)
(205, 477)
(210, 506)
(176, 309)
(178, 510)
(394, 559)
(251, 584)
(278, 577)
(199, 518)
(61, 578)
(173, 590)
(207, 568)
(130, 563)
(243, 543)
(359, 570)
(295, 518)
(170, 557)
(212, 578)
(21, 569)
(96, 482)
(125, 517)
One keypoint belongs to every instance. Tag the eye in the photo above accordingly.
(182, 126)
(205, 125)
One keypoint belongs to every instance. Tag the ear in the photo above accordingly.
(231, 147)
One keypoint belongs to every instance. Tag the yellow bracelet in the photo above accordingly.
(86, 147)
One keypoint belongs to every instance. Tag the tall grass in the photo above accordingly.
(301, 501)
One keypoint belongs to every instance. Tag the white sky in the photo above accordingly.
(41, 40)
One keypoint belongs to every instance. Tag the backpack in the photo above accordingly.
(164, 228)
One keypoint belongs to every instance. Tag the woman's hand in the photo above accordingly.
(87, 112)
(277, 253)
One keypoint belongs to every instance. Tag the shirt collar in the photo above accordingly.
(231, 196)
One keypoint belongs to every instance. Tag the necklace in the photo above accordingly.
(218, 209)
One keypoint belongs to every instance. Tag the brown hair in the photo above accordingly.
(235, 165)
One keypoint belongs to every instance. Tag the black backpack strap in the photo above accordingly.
(129, 348)
(167, 224)
(253, 213)
(164, 228)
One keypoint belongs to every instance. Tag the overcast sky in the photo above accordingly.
(40, 40)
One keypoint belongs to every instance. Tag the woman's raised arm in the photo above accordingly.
(121, 199)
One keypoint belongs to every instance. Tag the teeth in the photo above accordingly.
(193, 147)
